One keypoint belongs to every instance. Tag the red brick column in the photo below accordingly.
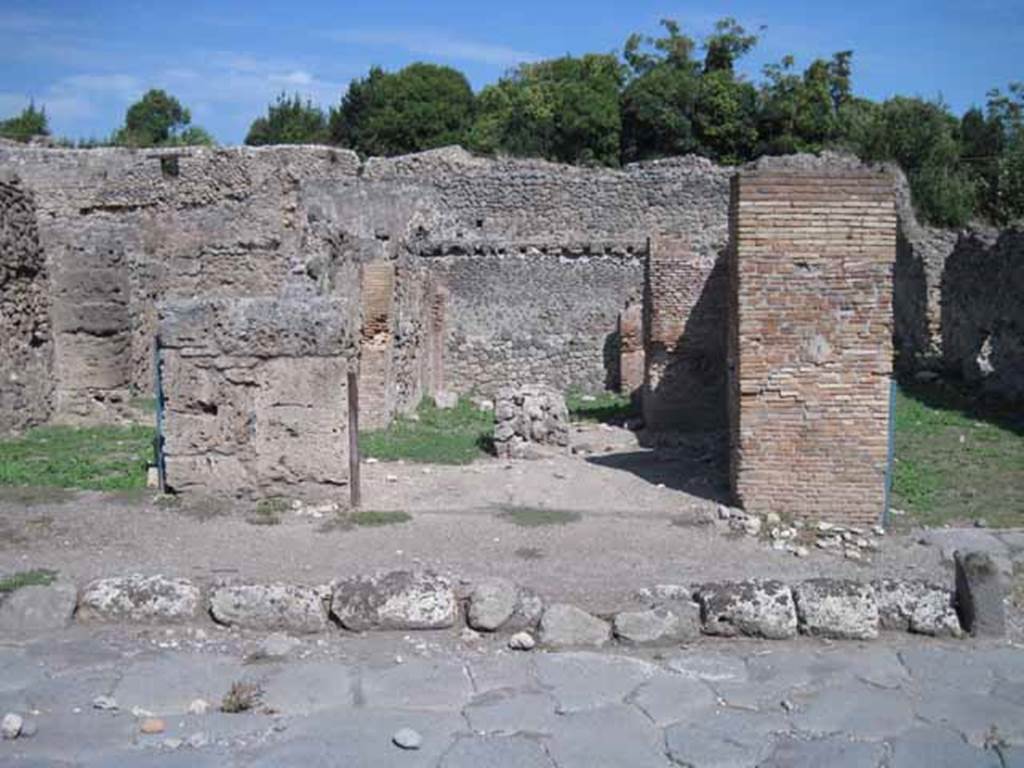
(811, 349)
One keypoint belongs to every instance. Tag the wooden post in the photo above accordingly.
(355, 492)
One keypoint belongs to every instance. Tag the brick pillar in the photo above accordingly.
(376, 405)
(631, 348)
(811, 272)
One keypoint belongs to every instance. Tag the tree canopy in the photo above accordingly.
(289, 120)
(158, 120)
(28, 123)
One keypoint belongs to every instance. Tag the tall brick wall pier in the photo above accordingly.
(811, 341)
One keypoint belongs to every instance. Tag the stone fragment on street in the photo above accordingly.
(407, 738)
(11, 725)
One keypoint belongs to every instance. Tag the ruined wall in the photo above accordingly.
(26, 343)
(983, 312)
(255, 396)
(686, 300)
(812, 313)
(123, 229)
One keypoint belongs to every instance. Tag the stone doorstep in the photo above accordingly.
(408, 600)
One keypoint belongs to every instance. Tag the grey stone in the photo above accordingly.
(657, 625)
(29, 728)
(302, 688)
(667, 698)
(951, 540)
(710, 667)
(446, 399)
(104, 702)
(584, 680)
(277, 646)
(396, 600)
(979, 716)
(10, 726)
(491, 604)
(981, 589)
(855, 709)
(609, 737)
(566, 625)
(833, 752)
(932, 747)
(522, 641)
(529, 608)
(435, 684)
(269, 607)
(139, 598)
(837, 608)
(726, 738)
(501, 752)
(407, 738)
(760, 608)
(512, 712)
(35, 610)
(916, 606)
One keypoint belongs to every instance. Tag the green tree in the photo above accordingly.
(1005, 113)
(30, 122)
(419, 107)
(564, 109)
(157, 120)
(289, 121)
(727, 43)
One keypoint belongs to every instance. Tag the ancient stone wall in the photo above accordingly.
(254, 395)
(812, 326)
(26, 342)
(983, 312)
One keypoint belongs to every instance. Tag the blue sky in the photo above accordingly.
(86, 61)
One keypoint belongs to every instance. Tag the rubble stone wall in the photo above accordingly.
(812, 274)
(983, 312)
(255, 395)
(26, 342)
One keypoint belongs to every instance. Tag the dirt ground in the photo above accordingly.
(633, 518)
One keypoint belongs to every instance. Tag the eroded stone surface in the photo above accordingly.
(567, 625)
(837, 608)
(37, 609)
(658, 625)
(757, 608)
(395, 600)
(916, 606)
(981, 587)
(139, 598)
(269, 607)
(491, 604)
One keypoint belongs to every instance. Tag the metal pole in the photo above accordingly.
(355, 492)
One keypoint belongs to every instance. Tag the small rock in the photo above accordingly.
(567, 625)
(878, 530)
(152, 477)
(752, 525)
(29, 728)
(278, 645)
(371, 460)
(152, 725)
(446, 400)
(198, 707)
(172, 743)
(10, 726)
(491, 604)
(522, 641)
(198, 740)
(407, 738)
(723, 512)
(801, 551)
(468, 635)
(981, 522)
(773, 519)
(104, 702)
(853, 554)
(391, 478)
(139, 712)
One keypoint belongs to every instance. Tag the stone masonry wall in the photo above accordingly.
(255, 395)
(983, 312)
(26, 342)
(812, 313)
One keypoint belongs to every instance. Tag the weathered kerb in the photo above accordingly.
(395, 600)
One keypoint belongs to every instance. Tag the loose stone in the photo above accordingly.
(198, 707)
(152, 725)
(10, 726)
(104, 702)
(567, 625)
(522, 641)
(407, 738)
(491, 604)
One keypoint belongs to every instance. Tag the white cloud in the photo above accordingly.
(438, 44)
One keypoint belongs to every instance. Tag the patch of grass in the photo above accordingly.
(39, 577)
(108, 458)
(437, 436)
(144, 404)
(533, 517)
(241, 697)
(268, 511)
(956, 461)
(606, 407)
(373, 519)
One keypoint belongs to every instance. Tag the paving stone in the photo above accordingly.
(501, 670)
(855, 709)
(937, 747)
(269, 607)
(307, 687)
(500, 752)
(710, 667)
(727, 738)
(942, 668)
(35, 610)
(168, 684)
(833, 752)
(974, 715)
(512, 712)
(397, 600)
(669, 698)
(430, 684)
(837, 608)
(581, 680)
(982, 584)
(565, 626)
(759, 608)
(949, 540)
(612, 737)
(139, 598)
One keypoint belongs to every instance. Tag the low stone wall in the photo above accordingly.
(254, 395)
(26, 340)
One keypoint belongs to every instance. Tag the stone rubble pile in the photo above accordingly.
(527, 417)
(852, 542)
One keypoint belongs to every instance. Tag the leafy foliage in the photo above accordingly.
(422, 106)
(159, 120)
(289, 121)
(30, 122)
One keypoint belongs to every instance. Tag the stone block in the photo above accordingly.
(758, 608)
(565, 625)
(138, 598)
(269, 607)
(981, 588)
(837, 608)
(399, 600)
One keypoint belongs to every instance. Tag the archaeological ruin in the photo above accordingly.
(764, 306)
